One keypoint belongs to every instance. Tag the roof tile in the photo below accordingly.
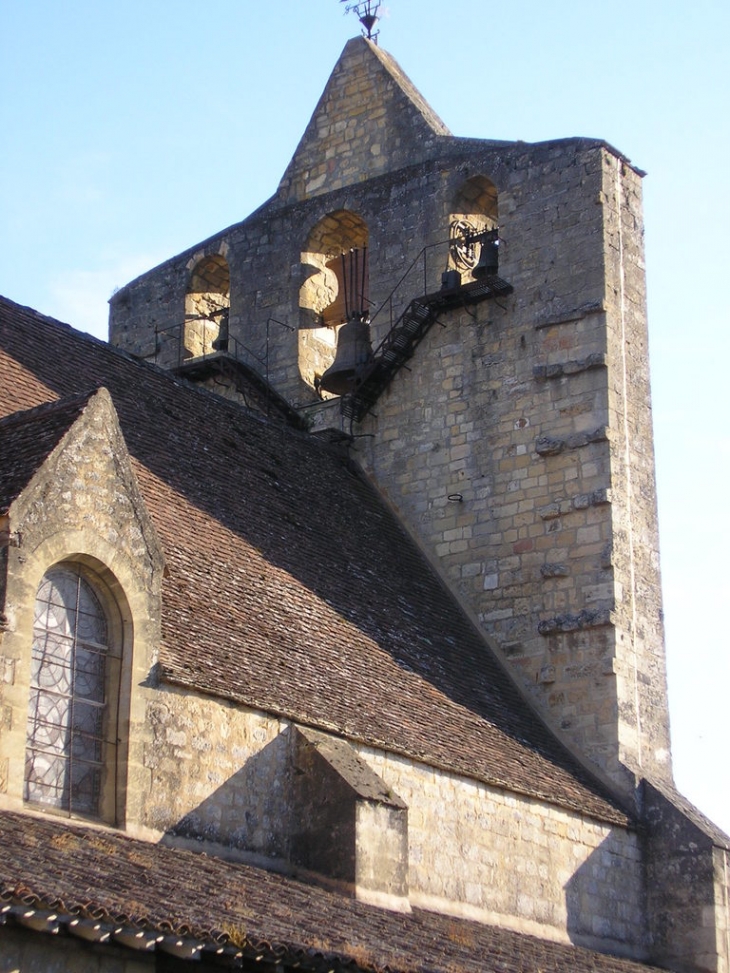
(85, 872)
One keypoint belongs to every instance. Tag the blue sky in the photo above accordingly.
(132, 130)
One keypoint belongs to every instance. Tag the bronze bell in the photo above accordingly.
(488, 265)
(353, 353)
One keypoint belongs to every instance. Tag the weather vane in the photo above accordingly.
(367, 14)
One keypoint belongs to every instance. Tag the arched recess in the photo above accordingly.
(322, 296)
(76, 749)
(207, 303)
(474, 214)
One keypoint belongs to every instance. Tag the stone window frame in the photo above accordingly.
(117, 692)
(206, 317)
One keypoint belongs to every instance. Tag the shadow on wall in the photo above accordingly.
(250, 812)
(287, 808)
(307, 802)
(605, 900)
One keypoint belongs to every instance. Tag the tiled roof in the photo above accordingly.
(290, 586)
(27, 439)
(179, 899)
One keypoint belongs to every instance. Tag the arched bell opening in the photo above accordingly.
(334, 298)
(207, 304)
(474, 230)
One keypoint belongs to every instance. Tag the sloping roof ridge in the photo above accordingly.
(28, 437)
(71, 404)
(212, 398)
(408, 88)
(33, 313)
(49, 321)
(700, 820)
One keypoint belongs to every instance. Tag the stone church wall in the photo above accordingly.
(639, 666)
(83, 508)
(518, 448)
(217, 774)
(480, 852)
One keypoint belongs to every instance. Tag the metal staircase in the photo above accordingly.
(408, 331)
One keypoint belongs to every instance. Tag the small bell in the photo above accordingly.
(353, 353)
(450, 280)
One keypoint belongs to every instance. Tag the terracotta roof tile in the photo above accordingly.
(89, 873)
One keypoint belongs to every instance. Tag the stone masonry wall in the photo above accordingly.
(640, 666)
(369, 119)
(212, 772)
(562, 874)
(218, 773)
(495, 448)
(264, 254)
(688, 883)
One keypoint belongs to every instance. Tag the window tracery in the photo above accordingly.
(65, 746)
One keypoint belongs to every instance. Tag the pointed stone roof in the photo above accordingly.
(370, 120)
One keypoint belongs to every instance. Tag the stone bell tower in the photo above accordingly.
(503, 407)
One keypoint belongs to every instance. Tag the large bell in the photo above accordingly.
(353, 353)
(488, 265)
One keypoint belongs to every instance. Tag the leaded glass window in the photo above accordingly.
(65, 738)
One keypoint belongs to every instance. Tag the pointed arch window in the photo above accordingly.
(73, 667)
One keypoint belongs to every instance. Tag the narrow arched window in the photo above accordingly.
(336, 290)
(68, 711)
(474, 229)
(207, 305)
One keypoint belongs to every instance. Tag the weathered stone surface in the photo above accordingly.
(554, 570)
(571, 623)
(687, 881)
(535, 463)
(594, 360)
(545, 446)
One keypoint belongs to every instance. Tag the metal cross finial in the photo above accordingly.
(367, 14)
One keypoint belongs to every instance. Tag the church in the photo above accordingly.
(330, 608)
